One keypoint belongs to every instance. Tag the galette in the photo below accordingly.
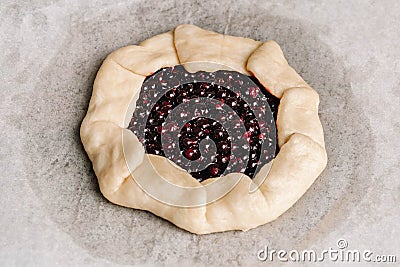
(208, 131)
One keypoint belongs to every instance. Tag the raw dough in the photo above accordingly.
(301, 159)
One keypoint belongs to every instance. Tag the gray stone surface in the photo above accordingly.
(51, 209)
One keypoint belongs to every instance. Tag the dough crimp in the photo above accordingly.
(302, 155)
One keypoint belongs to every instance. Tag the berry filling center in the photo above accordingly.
(208, 123)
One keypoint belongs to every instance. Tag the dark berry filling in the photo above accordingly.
(210, 124)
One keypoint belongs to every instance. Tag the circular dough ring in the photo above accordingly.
(302, 155)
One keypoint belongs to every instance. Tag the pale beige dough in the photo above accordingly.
(270, 67)
(113, 84)
(301, 159)
(195, 44)
(298, 113)
(148, 57)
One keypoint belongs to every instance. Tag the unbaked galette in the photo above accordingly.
(208, 131)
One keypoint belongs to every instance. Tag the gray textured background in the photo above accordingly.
(51, 209)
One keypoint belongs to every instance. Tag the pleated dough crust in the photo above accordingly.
(302, 155)
(195, 44)
(271, 68)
